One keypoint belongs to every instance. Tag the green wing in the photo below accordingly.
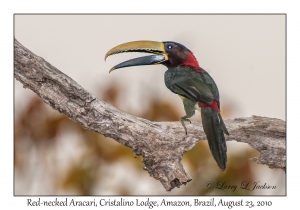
(192, 85)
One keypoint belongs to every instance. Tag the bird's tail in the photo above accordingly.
(214, 129)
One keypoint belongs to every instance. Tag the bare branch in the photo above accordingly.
(161, 144)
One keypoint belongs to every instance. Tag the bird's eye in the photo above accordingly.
(169, 47)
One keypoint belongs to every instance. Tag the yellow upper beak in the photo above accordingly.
(138, 46)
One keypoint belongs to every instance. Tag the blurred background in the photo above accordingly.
(245, 54)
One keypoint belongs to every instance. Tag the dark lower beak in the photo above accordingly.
(146, 60)
(156, 48)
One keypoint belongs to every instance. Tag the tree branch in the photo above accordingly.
(161, 144)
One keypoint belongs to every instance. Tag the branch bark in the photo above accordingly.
(161, 144)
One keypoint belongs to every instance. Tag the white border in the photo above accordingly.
(8, 201)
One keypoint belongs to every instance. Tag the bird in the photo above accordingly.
(184, 77)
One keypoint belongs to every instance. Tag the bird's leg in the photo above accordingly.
(189, 111)
(182, 119)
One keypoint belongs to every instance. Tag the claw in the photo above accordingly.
(182, 119)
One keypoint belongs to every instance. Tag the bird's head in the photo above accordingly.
(170, 54)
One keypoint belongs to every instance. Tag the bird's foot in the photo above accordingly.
(182, 119)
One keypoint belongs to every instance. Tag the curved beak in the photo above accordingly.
(156, 48)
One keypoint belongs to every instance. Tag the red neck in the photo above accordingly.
(192, 62)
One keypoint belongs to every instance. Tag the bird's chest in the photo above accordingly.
(177, 75)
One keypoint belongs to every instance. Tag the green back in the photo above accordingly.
(199, 87)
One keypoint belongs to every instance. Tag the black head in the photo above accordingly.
(178, 54)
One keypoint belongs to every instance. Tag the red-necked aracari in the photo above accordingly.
(192, 83)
